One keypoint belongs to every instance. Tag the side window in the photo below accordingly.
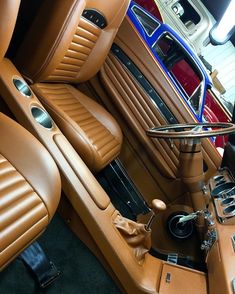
(181, 69)
(151, 7)
(148, 23)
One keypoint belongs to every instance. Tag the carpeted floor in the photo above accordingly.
(81, 271)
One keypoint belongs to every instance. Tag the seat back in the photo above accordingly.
(8, 14)
(69, 40)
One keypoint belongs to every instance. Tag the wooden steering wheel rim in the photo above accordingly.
(165, 132)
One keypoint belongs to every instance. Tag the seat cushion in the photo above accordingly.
(29, 189)
(91, 130)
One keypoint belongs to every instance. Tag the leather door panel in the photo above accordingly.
(141, 113)
(138, 109)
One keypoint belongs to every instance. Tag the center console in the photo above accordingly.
(91, 205)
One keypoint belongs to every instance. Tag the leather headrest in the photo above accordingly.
(8, 14)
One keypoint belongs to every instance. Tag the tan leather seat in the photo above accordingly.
(67, 43)
(29, 179)
(29, 189)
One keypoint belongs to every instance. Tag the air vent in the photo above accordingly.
(95, 17)
(148, 23)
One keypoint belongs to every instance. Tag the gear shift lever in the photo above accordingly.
(157, 205)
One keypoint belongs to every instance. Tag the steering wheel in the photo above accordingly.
(191, 130)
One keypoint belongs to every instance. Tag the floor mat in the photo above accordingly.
(81, 271)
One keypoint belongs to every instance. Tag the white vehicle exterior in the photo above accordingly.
(195, 30)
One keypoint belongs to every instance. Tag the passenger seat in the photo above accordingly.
(67, 44)
(30, 184)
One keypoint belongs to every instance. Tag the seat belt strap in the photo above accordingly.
(44, 269)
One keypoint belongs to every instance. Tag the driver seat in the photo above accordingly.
(75, 38)
(30, 184)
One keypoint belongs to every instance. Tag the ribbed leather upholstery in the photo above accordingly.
(72, 49)
(29, 189)
(140, 110)
(22, 212)
(77, 53)
(90, 128)
(63, 46)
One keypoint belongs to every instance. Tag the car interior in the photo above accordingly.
(93, 131)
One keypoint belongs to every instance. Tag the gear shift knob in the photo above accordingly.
(157, 205)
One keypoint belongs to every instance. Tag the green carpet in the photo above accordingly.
(81, 271)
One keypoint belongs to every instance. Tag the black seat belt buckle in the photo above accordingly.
(43, 269)
(50, 276)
